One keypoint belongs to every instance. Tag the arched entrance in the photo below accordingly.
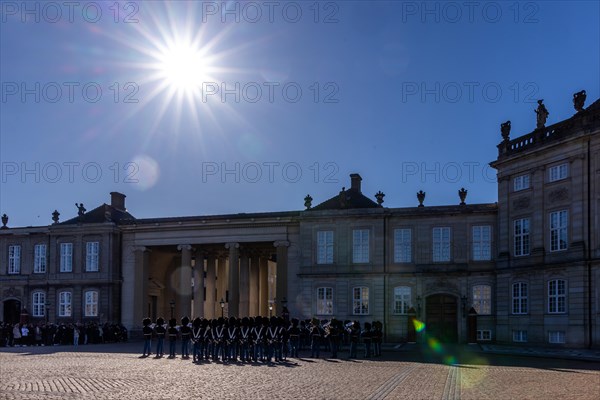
(442, 317)
(12, 311)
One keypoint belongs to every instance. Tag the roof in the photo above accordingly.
(103, 213)
(351, 198)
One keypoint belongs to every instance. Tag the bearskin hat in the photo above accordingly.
(160, 321)
(367, 326)
(197, 322)
(295, 321)
(172, 322)
(146, 321)
(185, 321)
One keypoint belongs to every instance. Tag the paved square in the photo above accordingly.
(116, 372)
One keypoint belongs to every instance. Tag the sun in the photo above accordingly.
(183, 66)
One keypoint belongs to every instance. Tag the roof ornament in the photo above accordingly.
(80, 209)
(379, 196)
(462, 194)
(55, 216)
(579, 100)
(542, 114)
(308, 202)
(421, 197)
(4, 221)
(505, 130)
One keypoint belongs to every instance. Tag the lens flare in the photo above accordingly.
(419, 325)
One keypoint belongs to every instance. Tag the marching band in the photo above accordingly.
(260, 339)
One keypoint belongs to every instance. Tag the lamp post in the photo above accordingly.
(47, 304)
(222, 304)
(270, 309)
(172, 304)
(284, 311)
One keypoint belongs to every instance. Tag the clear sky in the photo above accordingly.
(223, 107)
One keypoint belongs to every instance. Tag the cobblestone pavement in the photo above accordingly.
(116, 372)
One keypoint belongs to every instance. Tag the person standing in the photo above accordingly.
(147, 332)
(172, 332)
(186, 334)
(75, 336)
(161, 331)
(315, 339)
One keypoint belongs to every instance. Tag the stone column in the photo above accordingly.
(254, 287)
(183, 303)
(244, 310)
(199, 285)
(282, 266)
(234, 279)
(263, 282)
(209, 305)
(140, 282)
(222, 280)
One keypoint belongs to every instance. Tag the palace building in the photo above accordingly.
(523, 270)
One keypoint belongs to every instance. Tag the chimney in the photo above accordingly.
(117, 200)
(355, 182)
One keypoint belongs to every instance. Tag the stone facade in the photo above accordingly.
(522, 270)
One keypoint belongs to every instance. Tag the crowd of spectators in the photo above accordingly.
(50, 334)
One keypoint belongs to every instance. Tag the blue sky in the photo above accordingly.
(211, 108)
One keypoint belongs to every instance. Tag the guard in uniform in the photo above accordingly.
(245, 339)
(172, 332)
(294, 335)
(315, 338)
(147, 331)
(367, 336)
(354, 332)
(232, 339)
(186, 334)
(377, 338)
(160, 336)
(334, 337)
(197, 338)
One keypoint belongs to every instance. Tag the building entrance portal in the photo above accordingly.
(442, 317)
(12, 311)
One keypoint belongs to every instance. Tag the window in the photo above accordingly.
(91, 256)
(66, 257)
(39, 261)
(558, 172)
(482, 243)
(14, 259)
(519, 298)
(360, 246)
(91, 303)
(38, 303)
(558, 230)
(325, 301)
(557, 296)
(360, 301)
(64, 304)
(521, 183)
(484, 335)
(522, 237)
(519, 336)
(325, 247)
(482, 299)
(402, 245)
(402, 300)
(556, 337)
(441, 244)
